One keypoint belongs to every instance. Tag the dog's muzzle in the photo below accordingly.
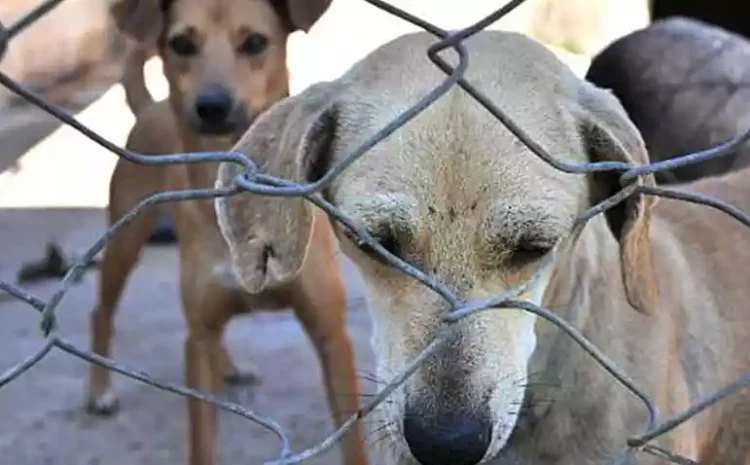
(447, 437)
(216, 112)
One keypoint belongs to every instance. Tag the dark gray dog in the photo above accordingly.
(686, 86)
(730, 14)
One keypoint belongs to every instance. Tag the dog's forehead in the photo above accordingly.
(202, 15)
(455, 152)
(457, 159)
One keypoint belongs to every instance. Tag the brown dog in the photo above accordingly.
(225, 61)
(661, 289)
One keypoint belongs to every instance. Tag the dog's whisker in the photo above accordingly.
(360, 395)
(376, 422)
(381, 436)
(377, 433)
(535, 401)
(371, 377)
(554, 385)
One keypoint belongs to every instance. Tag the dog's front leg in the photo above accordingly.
(129, 184)
(203, 354)
(318, 296)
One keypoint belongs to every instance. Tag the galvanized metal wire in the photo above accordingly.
(255, 182)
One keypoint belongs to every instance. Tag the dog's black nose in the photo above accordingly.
(447, 438)
(214, 104)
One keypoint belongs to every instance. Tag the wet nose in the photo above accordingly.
(447, 438)
(214, 104)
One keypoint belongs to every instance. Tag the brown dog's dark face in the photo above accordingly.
(225, 60)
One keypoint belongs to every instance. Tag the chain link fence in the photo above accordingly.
(254, 182)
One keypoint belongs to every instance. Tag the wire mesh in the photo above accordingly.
(255, 182)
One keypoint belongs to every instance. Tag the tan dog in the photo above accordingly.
(456, 194)
(225, 62)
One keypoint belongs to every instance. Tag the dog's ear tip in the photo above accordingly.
(301, 15)
(639, 275)
(256, 280)
(640, 283)
(259, 265)
(141, 20)
(250, 265)
(225, 174)
(253, 283)
(642, 295)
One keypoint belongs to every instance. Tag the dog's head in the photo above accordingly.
(454, 193)
(225, 60)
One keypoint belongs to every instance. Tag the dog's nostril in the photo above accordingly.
(214, 105)
(448, 439)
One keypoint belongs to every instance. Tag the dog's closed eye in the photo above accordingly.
(384, 236)
(517, 249)
(529, 249)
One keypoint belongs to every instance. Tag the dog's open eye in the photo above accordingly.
(183, 45)
(253, 44)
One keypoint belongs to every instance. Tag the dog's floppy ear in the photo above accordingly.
(300, 14)
(267, 236)
(609, 135)
(141, 20)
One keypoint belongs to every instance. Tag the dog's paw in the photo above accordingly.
(105, 405)
(242, 378)
(246, 375)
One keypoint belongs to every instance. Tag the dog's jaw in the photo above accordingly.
(389, 446)
(509, 374)
(510, 390)
(508, 400)
(505, 403)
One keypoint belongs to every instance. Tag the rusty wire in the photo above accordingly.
(254, 182)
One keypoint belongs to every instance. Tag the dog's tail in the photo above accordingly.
(133, 80)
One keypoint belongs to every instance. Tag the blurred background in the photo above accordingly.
(53, 187)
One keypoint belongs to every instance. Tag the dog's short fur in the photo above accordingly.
(728, 14)
(685, 84)
(225, 61)
(659, 289)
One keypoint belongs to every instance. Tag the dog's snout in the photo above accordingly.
(214, 104)
(447, 438)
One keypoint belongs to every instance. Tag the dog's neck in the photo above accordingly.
(731, 187)
(570, 398)
(576, 411)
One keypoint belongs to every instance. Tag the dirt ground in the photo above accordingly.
(53, 186)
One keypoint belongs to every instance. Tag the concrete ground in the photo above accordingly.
(56, 192)
(42, 417)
